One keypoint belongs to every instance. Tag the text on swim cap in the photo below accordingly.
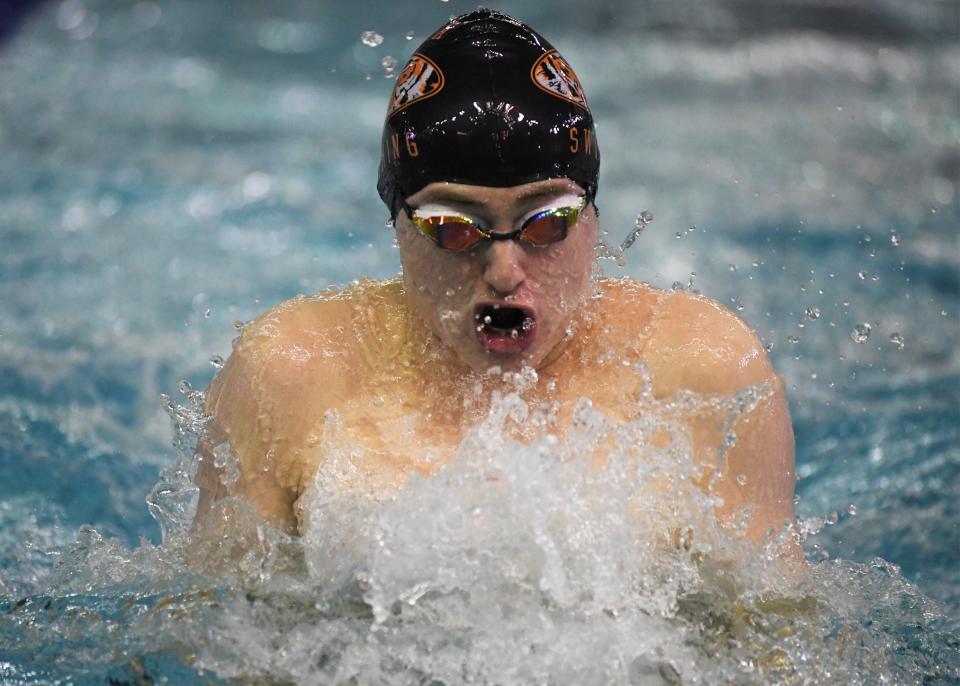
(574, 134)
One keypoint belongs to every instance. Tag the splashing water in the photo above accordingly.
(603, 251)
(389, 64)
(523, 561)
(861, 333)
(371, 38)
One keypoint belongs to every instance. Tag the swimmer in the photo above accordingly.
(489, 169)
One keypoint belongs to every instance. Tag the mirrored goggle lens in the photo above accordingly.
(550, 226)
(450, 233)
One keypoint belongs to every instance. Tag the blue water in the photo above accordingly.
(169, 169)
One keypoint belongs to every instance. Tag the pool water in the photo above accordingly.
(169, 170)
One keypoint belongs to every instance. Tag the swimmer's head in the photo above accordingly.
(486, 101)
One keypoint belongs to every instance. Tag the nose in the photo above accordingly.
(504, 268)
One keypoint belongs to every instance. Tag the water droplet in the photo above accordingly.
(894, 238)
(371, 38)
(238, 325)
(389, 63)
(185, 387)
(813, 313)
(644, 218)
(389, 223)
(897, 340)
(862, 275)
(450, 293)
(832, 519)
(793, 339)
(742, 479)
(409, 35)
(796, 499)
(207, 312)
(852, 510)
(733, 267)
(217, 362)
(860, 333)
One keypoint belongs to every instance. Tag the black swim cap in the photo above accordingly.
(486, 101)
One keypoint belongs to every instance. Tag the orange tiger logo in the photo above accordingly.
(420, 79)
(552, 73)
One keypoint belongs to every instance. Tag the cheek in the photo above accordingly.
(566, 273)
(434, 279)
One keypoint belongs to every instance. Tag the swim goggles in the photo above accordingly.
(459, 233)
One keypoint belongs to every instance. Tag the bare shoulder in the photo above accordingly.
(690, 341)
(279, 352)
(287, 368)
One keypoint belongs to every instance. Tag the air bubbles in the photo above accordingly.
(812, 313)
(371, 38)
(389, 64)
(861, 333)
(897, 339)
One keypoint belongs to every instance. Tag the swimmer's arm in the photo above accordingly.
(283, 374)
(704, 348)
(237, 411)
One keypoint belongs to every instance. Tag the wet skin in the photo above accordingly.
(399, 370)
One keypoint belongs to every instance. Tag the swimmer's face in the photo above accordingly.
(506, 302)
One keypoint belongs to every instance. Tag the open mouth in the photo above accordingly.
(504, 328)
